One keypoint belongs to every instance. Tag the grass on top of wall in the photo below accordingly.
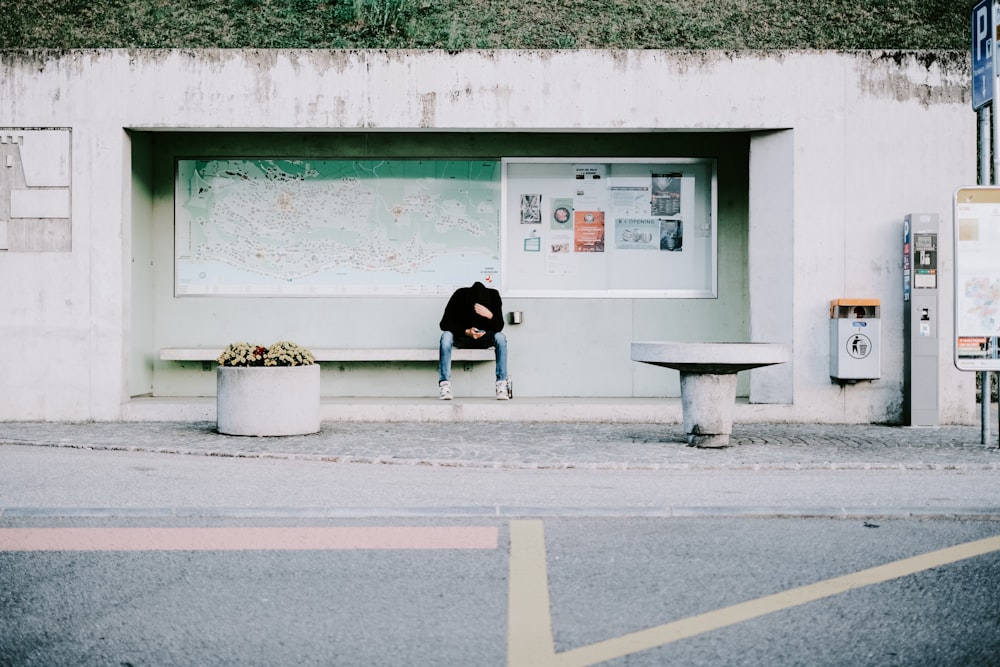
(487, 24)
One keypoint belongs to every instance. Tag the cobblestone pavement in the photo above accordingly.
(545, 445)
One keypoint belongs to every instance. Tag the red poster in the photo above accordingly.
(588, 231)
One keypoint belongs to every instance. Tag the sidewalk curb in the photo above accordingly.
(523, 465)
(505, 512)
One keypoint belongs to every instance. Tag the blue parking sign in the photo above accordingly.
(982, 54)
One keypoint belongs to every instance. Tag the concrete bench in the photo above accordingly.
(343, 354)
(708, 380)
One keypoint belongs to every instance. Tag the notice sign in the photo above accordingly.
(977, 278)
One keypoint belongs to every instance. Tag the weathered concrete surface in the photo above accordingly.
(842, 146)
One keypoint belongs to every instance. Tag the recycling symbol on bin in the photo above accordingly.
(859, 346)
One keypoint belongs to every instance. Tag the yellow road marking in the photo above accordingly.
(530, 639)
(529, 621)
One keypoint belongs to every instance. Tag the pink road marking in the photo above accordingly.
(245, 539)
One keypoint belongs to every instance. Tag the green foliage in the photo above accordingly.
(380, 17)
(487, 24)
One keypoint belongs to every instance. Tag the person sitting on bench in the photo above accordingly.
(473, 318)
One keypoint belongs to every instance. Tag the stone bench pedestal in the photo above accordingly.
(708, 380)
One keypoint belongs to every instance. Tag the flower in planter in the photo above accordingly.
(287, 353)
(282, 353)
(242, 354)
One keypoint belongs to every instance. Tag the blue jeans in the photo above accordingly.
(498, 340)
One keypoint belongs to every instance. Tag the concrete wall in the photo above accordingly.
(820, 155)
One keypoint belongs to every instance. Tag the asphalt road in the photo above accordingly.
(608, 579)
(162, 559)
(47, 480)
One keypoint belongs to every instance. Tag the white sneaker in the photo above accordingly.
(502, 394)
(445, 388)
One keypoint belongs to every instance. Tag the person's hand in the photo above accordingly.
(475, 334)
(483, 311)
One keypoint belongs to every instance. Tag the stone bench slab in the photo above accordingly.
(341, 354)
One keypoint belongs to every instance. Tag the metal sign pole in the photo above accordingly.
(987, 390)
(985, 31)
(985, 145)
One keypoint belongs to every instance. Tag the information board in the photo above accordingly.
(311, 227)
(609, 227)
(977, 277)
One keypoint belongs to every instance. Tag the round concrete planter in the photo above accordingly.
(274, 400)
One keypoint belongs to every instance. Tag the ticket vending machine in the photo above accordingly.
(921, 319)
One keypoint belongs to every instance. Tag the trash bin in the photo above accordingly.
(855, 339)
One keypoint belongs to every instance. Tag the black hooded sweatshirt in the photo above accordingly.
(460, 313)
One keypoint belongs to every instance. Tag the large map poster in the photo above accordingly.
(305, 227)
